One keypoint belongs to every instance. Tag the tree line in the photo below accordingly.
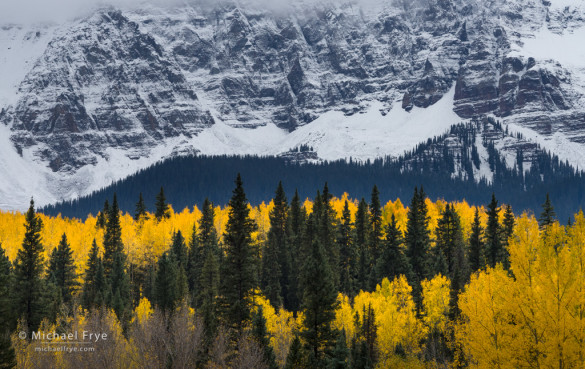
(215, 284)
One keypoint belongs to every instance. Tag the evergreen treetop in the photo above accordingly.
(548, 215)
(161, 207)
(140, 211)
(239, 266)
(28, 270)
(62, 270)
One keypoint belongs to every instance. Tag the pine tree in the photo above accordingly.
(319, 303)
(368, 334)
(296, 222)
(62, 270)
(6, 280)
(276, 257)
(161, 206)
(112, 238)
(450, 242)
(326, 226)
(340, 356)
(114, 265)
(119, 289)
(7, 356)
(449, 237)
(28, 270)
(140, 211)
(375, 239)
(203, 239)
(476, 245)
(417, 239)
(102, 218)
(149, 290)
(548, 215)
(261, 335)
(91, 282)
(179, 250)
(295, 357)
(507, 232)
(207, 295)
(347, 253)
(166, 286)
(493, 234)
(238, 269)
(393, 262)
(360, 359)
(195, 264)
(362, 221)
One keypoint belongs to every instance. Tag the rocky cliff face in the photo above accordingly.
(136, 81)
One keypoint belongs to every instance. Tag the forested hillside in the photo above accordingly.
(294, 283)
(469, 162)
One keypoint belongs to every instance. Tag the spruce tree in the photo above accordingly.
(417, 239)
(368, 334)
(119, 289)
(375, 239)
(326, 225)
(112, 238)
(340, 356)
(62, 270)
(362, 224)
(140, 211)
(347, 254)
(203, 239)
(393, 262)
(261, 335)
(91, 283)
(6, 280)
(28, 270)
(548, 215)
(114, 264)
(238, 269)
(296, 222)
(166, 286)
(493, 234)
(149, 290)
(476, 245)
(507, 232)
(295, 357)
(209, 279)
(449, 237)
(102, 218)
(179, 249)
(459, 276)
(451, 243)
(7, 355)
(319, 303)
(276, 258)
(161, 207)
(195, 264)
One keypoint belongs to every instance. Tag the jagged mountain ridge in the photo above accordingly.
(119, 89)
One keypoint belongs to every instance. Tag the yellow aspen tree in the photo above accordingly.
(486, 331)
(436, 302)
(344, 318)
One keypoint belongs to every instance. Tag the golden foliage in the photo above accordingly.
(536, 317)
(436, 302)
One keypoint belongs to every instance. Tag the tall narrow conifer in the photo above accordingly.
(28, 271)
(238, 274)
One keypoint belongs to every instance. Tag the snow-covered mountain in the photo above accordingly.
(92, 100)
